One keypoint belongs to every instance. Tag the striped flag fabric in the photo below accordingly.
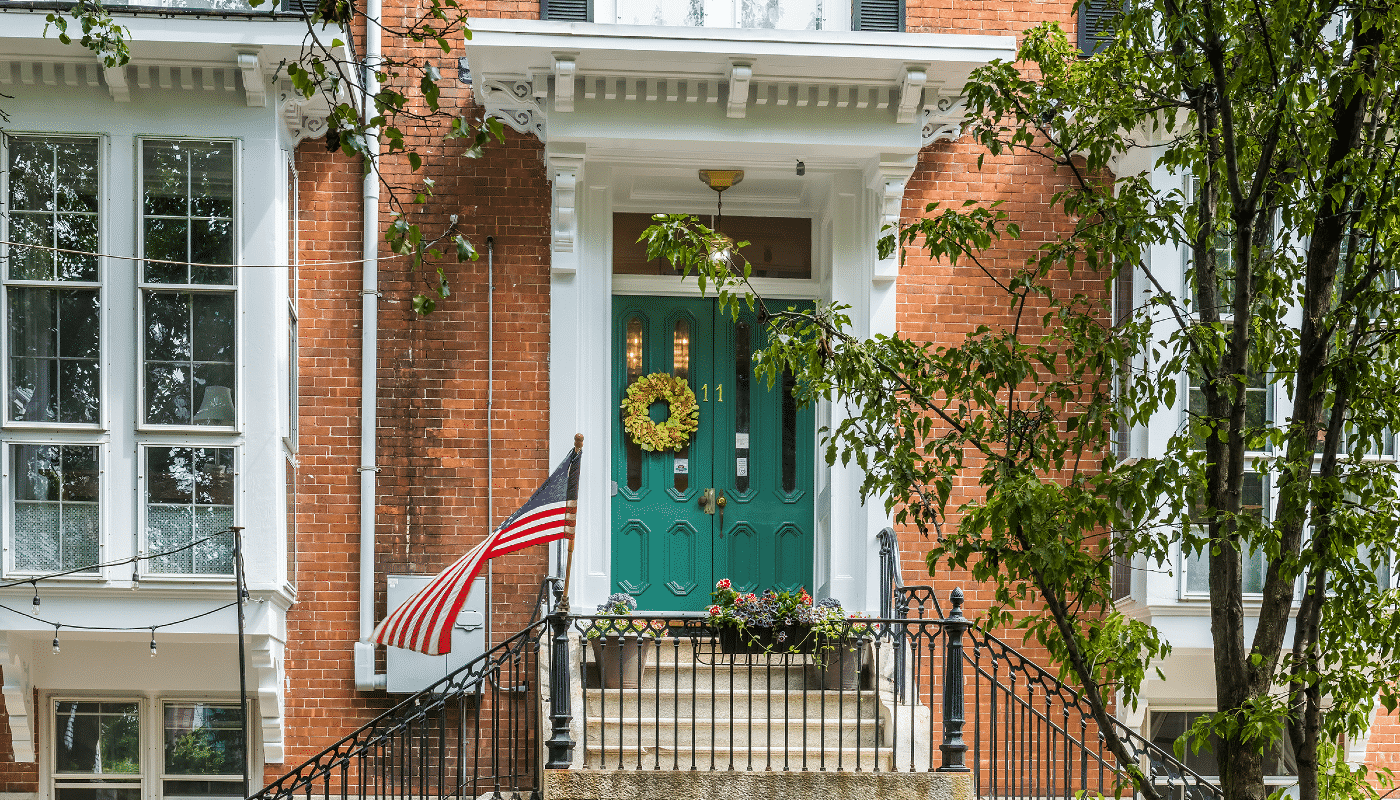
(424, 621)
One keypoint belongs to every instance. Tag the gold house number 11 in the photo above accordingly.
(719, 392)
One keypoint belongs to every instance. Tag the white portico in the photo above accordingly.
(629, 113)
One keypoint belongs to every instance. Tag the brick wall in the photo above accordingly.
(432, 371)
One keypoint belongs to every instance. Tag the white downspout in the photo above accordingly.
(365, 677)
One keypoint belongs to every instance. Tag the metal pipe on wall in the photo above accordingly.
(366, 679)
(490, 411)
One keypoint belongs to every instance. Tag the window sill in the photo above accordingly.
(190, 430)
(56, 427)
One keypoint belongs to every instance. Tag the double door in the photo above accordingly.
(737, 501)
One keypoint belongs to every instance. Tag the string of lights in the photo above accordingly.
(193, 263)
(135, 584)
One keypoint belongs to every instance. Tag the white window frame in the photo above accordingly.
(1184, 559)
(151, 711)
(142, 482)
(100, 285)
(232, 288)
(836, 16)
(1271, 781)
(8, 492)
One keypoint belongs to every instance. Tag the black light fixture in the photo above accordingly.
(801, 168)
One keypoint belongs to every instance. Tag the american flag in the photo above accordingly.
(424, 621)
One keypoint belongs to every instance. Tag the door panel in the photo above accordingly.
(753, 447)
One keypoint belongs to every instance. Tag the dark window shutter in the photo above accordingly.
(877, 15)
(297, 6)
(1096, 24)
(567, 10)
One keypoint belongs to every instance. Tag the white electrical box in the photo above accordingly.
(408, 671)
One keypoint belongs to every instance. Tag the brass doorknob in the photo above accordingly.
(720, 501)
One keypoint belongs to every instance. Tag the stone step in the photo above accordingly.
(756, 759)
(684, 675)
(762, 732)
(738, 703)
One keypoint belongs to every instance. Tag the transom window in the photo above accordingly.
(189, 497)
(52, 297)
(101, 752)
(189, 368)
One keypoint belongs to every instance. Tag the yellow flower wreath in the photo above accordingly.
(684, 419)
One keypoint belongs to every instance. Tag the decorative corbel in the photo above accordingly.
(302, 118)
(564, 167)
(564, 72)
(266, 659)
(892, 176)
(911, 94)
(944, 121)
(254, 84)
(19, 700)
(739, 76)
(511, 99)
(116, 83)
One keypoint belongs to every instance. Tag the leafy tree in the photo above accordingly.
(1277, 122)
(394, 101)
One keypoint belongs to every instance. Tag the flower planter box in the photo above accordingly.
(755, 641)
(840, 661)
(621, 659)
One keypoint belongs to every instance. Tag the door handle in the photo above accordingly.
(720, 501)
(708, 501)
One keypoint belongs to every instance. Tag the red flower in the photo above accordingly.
(723, 584)
(714, 611)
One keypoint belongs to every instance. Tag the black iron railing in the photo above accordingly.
(475, 732)
(670, 692)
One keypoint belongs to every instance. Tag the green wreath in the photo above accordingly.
(660, 387)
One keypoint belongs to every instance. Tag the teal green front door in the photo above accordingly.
(737, 502)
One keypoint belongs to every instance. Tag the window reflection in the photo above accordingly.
(55, 506)
(743, 376)
(636, 367)
(189, 497)
(680, 367)
(789, 447)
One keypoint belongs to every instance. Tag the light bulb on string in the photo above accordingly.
(36, 594)
(136, 576)
(153, 642)
(55, 640)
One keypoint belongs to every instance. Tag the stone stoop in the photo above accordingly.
(760, 713)
(592, 784)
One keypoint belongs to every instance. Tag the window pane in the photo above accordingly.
(167, 240)
(789, 453)
(188, 208)
(54, 349)
(118, 792)
(743, 377)
(190, 349)
(28, 263)
(164, 178)
(31, 175)
(180, 790)
(680, 367)
(636, 367)
(202, 739)
(189, 497)
(97, 738)
(55, 506)
(53, 203)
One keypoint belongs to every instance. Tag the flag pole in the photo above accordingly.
(563, 604)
